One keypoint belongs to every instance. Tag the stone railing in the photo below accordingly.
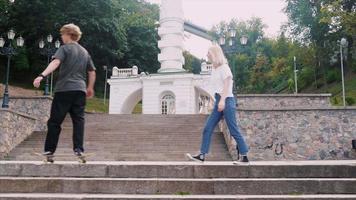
(36, 107)
(296, 134)
(125, 72)
(14, 128)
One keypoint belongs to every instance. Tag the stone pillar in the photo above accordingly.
(171, 32)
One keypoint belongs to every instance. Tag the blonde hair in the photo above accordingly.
(72, 30)
(217, 55)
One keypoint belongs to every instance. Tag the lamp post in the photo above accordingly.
(106, 80)
(232, 48)
(48, 50)
(295, 75)
(9, 51)
(343, 44)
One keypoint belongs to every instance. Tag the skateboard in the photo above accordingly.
(50, 158)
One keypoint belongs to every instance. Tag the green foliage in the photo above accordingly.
(353, 66)
(96, 105)
(306, 76)
(333, 75)
(350, 101)
(122, 33)
(334, 100)
(192, 63)
(116, 33)
(182, 193)
(259, 76)
(21, 61)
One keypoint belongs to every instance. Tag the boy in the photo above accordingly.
(71, 90)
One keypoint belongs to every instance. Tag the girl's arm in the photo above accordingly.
(221, 105)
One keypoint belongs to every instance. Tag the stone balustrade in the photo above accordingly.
(206, 68)
(124, 72)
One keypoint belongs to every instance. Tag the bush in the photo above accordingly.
(333, 76)
(335, 101)
(353, 67)
(350, 101)
(306, 77)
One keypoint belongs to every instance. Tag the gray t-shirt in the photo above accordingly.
(75, 63)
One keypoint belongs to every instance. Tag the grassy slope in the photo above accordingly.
(336, 89)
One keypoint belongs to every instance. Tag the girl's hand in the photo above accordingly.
(221, 105)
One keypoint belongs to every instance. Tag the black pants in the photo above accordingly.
(64, 102)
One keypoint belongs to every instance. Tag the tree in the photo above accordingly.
(259, 78)
(243, 57)
(192, 63)
(341, 17)
(142, 46)
(306, 26)
(116, 33)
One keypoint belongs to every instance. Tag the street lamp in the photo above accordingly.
(9, 51)
(231, 48)
(106, 80)
(48, 50)
(295, 74)
(343, 44)
(244, 40)
(222, 40)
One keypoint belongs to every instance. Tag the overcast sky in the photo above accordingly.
(207, 13)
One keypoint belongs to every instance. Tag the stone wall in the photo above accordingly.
(14, 128)
(296, 134)
(265, 101)
(36, 107)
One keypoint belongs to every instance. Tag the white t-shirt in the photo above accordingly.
(218, 75)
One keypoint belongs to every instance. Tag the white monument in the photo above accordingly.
(172, 90)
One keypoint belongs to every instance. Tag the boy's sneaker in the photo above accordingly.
(47, 153)
(243, 160)
(199, 157)
(78, 152)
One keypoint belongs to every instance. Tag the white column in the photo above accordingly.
(171, 32)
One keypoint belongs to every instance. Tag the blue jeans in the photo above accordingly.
(229, 114)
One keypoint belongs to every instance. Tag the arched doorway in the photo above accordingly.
(168, 104)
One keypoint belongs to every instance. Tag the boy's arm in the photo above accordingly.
(51, 68)
(91, 82)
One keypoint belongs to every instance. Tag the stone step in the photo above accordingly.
(219, 186)
(127, 157)
(278, 170)
(131, 137)
(46, 196)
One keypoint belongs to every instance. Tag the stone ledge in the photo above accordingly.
(283, 95)
(17, 113)
(33, 97)
(37, 107)
(349, 108)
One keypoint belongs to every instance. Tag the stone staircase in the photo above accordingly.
(31, 180)
(131, 138)
(142, 157)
